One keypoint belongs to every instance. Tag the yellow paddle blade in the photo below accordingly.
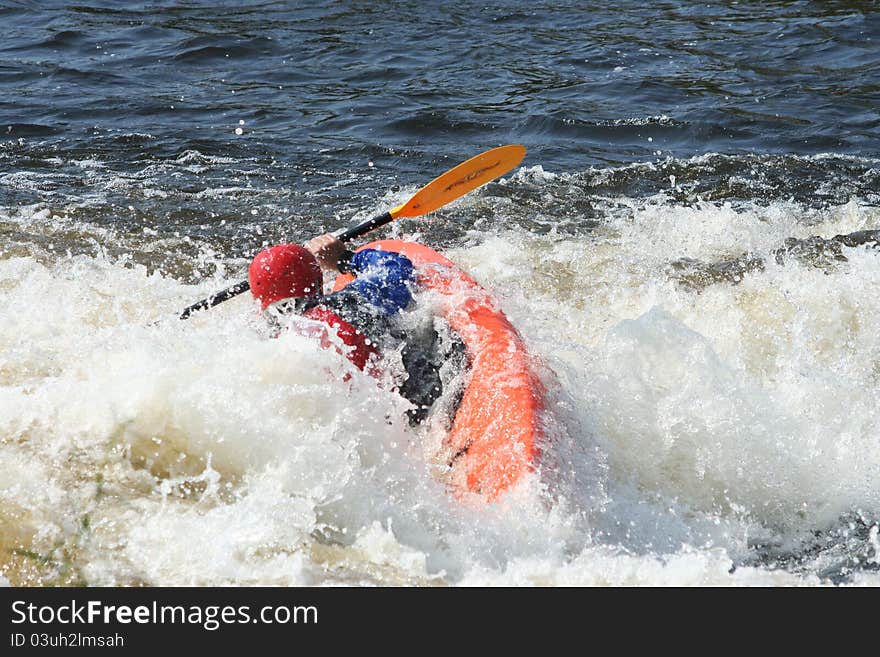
(457, 182)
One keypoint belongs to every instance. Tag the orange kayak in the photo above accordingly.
(495, 435)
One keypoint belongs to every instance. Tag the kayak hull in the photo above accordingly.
(495, 435)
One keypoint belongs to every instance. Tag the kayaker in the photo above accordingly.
(366, 315)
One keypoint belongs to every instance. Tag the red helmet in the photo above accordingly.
(284, 271)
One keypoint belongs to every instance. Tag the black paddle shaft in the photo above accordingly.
(364, 227)
(214, 299)
(234, 290)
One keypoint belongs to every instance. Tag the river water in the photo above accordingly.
(714, 423)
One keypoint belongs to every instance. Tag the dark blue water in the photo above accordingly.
(184, 136)
(397, 80)
(414, 87)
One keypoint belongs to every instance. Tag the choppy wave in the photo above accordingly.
(682, 250)
(726, 435)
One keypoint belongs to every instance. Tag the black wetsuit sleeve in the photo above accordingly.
(344, 264)
(423, 356)
(350, 306)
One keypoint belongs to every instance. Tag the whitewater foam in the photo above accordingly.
(688, 429)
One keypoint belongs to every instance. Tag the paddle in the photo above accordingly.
(444, 189)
